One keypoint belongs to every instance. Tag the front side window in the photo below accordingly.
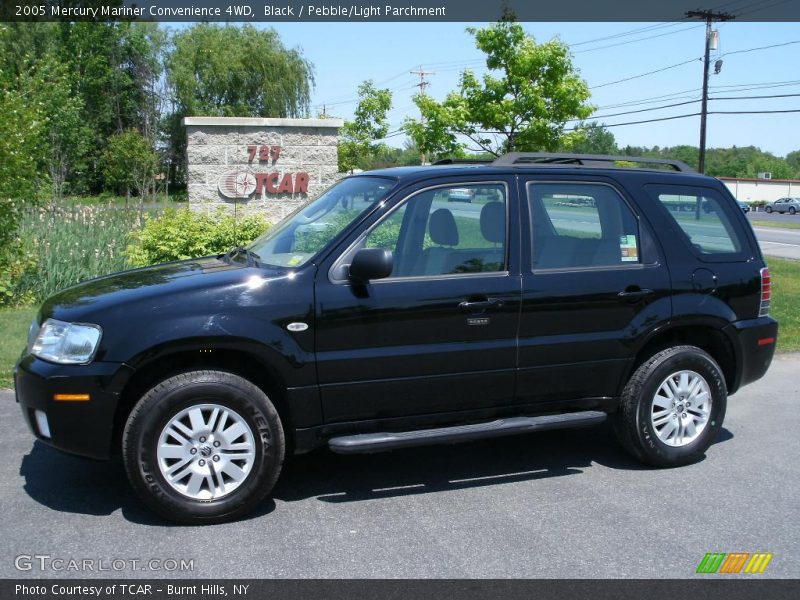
(702, 215)
(446, 231)
(580, 226)
(304, 233)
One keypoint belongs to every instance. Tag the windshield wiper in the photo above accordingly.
(251, 257)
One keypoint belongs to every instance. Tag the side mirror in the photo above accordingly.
(371, 263)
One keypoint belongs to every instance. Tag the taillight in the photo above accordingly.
(766, 292)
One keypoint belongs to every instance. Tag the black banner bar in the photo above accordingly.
(266, 11)
(727, 588)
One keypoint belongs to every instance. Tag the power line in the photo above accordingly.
(665, 106)
(757, 85)
(641, 110)
(761, 48)
(656, 120)
(762, 8)
(680, 64)
(754, 112)
(754, 97)
(686, 116)
(627, 33)
(644, 39)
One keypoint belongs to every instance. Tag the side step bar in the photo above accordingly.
(378, 442)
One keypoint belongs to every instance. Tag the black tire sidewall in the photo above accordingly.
(168, 399)
(691, 360)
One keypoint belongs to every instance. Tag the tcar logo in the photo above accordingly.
(240, 185)
(237, 185)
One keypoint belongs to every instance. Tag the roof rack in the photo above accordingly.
(464, 161)
(583, 160)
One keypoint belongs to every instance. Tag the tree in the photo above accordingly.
(522, 103)
(359, 136)
(238, 72)
(129, 162)
(50, 87)
(116, 68)
(793, 160)
(21, 154)
(590, 138)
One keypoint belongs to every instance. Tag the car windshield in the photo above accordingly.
(301, 235)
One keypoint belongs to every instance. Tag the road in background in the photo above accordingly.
(775, 241)
(557, 504)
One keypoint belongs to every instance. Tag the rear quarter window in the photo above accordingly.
(704, 216)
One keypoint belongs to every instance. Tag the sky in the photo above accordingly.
(346, 54)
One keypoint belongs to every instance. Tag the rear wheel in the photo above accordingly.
(673, 407)
(203, 447)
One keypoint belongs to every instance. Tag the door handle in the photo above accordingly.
(475, 306)
(632, 293)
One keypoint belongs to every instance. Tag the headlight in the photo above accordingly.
(66, 343)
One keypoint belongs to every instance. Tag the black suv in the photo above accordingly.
(384, 315)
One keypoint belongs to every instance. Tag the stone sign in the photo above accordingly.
(268, 166)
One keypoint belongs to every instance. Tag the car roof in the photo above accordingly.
(420, 173)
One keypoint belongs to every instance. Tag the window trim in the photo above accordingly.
(626, 266)
(338, 263)
(745, 251)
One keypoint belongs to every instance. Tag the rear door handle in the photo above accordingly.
(633, 293)
(475, 306)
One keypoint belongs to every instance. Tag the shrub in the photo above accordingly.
(182, 233)
(16, 261)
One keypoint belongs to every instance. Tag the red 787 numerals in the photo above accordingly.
(265, 153)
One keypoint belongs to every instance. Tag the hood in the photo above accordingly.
(153, 285)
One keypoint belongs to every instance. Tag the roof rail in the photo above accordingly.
(464, 161)
(583, 160)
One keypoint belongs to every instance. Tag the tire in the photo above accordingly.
(792, 210)
(768, 210)
(219, 479)
(643, 427)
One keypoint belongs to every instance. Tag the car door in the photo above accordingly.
(592, 281)
(439, 335)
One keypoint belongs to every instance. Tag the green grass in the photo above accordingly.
(776, 224)
(786, 301)
(14, 323)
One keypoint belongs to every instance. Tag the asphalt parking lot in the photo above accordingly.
(558, 504)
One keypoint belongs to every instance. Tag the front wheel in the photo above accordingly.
(673, 407)
(768, 209)
(203, 447)
(792, 210)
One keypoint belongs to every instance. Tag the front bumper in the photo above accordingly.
(85, 428)
(755, 341)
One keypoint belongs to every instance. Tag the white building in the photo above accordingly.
(755, 190)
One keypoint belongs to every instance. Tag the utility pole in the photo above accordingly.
(423, 83)
(709, 17)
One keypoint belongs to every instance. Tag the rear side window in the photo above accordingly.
(703, 215)
(578, 225)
